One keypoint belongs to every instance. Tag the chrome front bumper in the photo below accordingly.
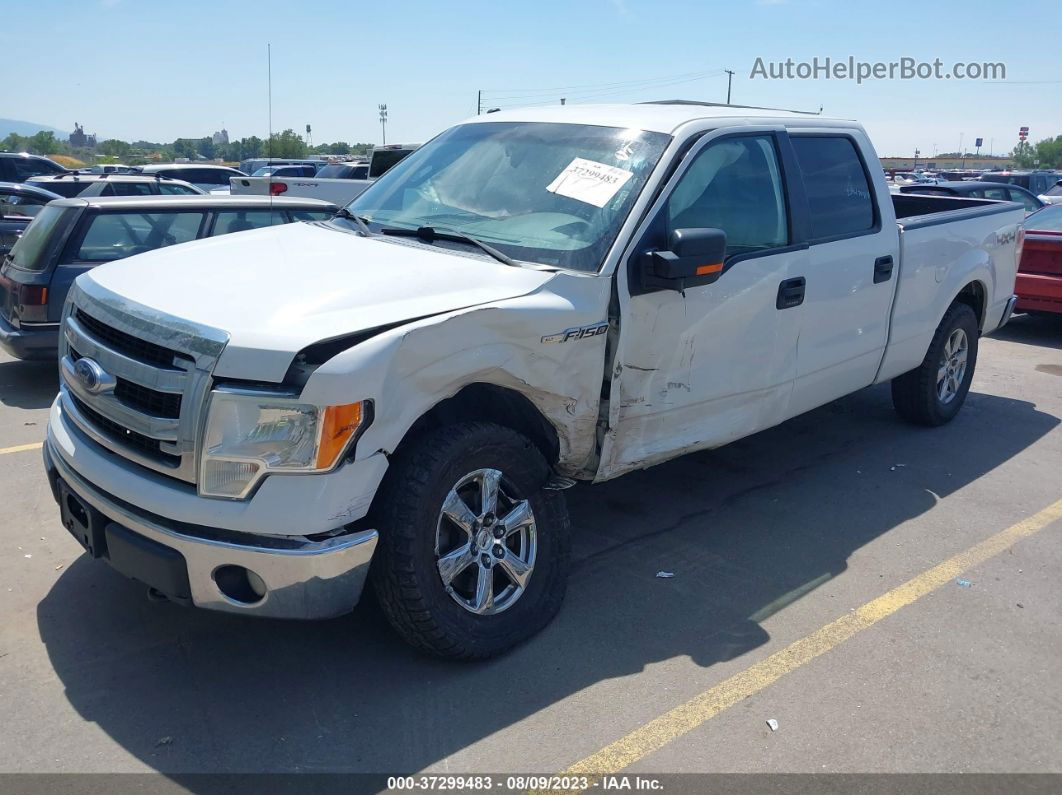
(300, 577)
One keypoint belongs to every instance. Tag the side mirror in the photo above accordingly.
(693, 257)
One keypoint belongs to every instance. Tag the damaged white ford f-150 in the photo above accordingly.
(533, 298)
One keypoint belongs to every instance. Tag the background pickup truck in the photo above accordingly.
(350, 180)
(534, 298)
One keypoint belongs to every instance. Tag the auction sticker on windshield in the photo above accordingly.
(589, 181)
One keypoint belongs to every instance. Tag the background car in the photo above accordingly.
(285, 171)
(979, 190)
(208, 177)
(71, 236)
(19, 205)
(1036, 182)
(74, 183)
(1052, 195)
(1039, 283)
(18, 167)
(345, 171)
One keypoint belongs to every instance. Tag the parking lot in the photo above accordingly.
(771, 540)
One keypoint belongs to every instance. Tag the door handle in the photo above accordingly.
(882, 269)
(790, 293)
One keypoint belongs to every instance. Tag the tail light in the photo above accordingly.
(1021, 244)
(29, 302)
(276, 188)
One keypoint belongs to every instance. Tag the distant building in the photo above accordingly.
(80, 140)
(221, 137)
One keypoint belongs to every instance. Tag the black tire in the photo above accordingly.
(405, 576)
(915, 396)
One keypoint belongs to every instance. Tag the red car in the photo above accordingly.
(1039, 284)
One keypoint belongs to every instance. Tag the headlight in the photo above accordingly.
(248, 436)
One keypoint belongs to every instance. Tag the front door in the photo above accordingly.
(701, 368)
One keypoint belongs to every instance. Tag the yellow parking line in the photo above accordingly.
(21, 448)
(682, 719)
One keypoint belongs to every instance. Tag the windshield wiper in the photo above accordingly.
(429, 234)
(346, 214)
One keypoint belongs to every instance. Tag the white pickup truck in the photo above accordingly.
(336, 189)
(534, 298)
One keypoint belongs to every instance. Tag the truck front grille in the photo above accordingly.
(122, 435)
(133, 346)
(160, 377)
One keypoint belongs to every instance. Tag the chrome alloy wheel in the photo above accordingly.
(952, 366)
(485, 544)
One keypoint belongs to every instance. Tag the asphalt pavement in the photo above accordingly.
(793, 554)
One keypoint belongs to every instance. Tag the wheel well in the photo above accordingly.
(973, 295)
(493, 404)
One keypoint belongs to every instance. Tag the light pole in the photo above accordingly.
(383, 123)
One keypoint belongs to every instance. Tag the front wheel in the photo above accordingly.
(473, 554)
(933, 393)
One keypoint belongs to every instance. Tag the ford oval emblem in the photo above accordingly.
(92, 377)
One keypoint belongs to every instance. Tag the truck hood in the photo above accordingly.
(274, 291)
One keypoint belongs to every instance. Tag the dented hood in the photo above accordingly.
(274, 291)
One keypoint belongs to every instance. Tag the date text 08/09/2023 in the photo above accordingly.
(521, 783)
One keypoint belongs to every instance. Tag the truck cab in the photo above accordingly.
(533, 299)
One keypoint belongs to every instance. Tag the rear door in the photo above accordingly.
(853, 255)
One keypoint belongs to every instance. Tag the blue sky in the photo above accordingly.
(157, 69)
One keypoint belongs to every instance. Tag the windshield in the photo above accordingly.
(552, 194)
(27, 252)
(1056, 190)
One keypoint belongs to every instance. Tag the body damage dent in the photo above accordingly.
(408, 370)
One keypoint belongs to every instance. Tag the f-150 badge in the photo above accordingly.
(578, 333)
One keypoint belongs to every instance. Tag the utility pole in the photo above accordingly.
(479, 102)
(383, 123)
(729, 79)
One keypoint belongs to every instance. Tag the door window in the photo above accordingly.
(242, 220)
(114, 236)
(836, 184)
(735, 185)
(15, 206)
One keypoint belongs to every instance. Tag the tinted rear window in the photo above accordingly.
(27, 253)
(384, 159)
(839, 197)
(114, 236)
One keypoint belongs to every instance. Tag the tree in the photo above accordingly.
(184, 147)
(205, 147)
(115, 148)
(14, 143)
(42, 143)
(286, 144)
(1044, 154)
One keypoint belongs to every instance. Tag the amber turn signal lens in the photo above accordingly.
(705, 270)
(338, 426)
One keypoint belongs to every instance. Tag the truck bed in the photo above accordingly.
(913, 209)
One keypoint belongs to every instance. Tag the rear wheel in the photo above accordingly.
(933, 393)
(473, 554)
